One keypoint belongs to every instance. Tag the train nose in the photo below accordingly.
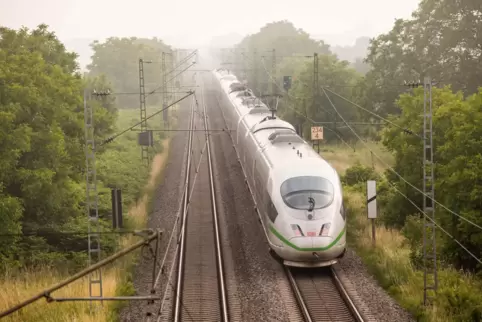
(312, 243)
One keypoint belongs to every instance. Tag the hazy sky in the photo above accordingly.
(189, 21)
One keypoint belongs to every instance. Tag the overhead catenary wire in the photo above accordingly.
(178, 216)
(372, 113)
(291, 96)
(440, 227)
(376, 155)
(67, 233)
(299, 113)
(112, 138)
(156, 92)
(388, 166)
(180, 62)
(179, 211)
(47, 292)
(395, 172)
(355, 104)
(167, 81)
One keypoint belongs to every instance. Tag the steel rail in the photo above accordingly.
(339, 286)
(346, 297)
(219, 255)
(181, 249)
(299, 297)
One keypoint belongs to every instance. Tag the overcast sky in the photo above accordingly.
(185, 22)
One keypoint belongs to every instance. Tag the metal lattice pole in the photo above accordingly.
(93, 237)
(172, 80)
(164, 91)
(316, 83)
(429, 248)
(143, 110)
(177, 81)
(236, 65)
(273, 75)
(316, 89)
(255, 72)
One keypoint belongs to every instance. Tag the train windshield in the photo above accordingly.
(307, 192)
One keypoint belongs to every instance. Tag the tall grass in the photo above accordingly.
(343, 157)
(20, 285)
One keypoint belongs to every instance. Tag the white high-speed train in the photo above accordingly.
(297, 193)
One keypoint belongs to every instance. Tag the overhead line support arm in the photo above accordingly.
(46, 293)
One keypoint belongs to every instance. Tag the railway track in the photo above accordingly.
(319, 293)
(321, 296)
(200, 287)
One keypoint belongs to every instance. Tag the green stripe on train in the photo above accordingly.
(316, 249)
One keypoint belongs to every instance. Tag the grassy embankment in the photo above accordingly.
(120, 165)
(389, 260)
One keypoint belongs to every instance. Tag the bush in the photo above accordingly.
(359, 174)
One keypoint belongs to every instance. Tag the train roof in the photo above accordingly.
(277, 138)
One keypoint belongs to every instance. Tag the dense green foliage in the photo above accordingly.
(301, 106)
(42, 141)
(442, 41)
(42, 180)
(392, 259)
(458, 142)
(41, 117)
(122, 68)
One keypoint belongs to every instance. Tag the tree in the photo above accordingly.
(352, 53)
(294, 51)
(360, 66)
(118, 59)
(457, 128)
(442, 41)
(281, 36)
(42, 136)
(300, 105)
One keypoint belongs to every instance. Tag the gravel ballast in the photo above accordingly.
(256, 275)
(256, 284)
(165, 205)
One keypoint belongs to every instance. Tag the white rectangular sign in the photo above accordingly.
(371, 198)
(316, 133)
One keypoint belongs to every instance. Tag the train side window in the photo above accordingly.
(272, 212)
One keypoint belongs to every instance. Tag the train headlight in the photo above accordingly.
(325, 230)
(342, 211)
(297, 230)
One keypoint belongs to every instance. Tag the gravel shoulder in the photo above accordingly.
(369, 297)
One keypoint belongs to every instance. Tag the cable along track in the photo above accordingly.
(200, 290)
(321, 296)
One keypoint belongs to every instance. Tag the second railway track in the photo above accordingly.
(200, 291)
